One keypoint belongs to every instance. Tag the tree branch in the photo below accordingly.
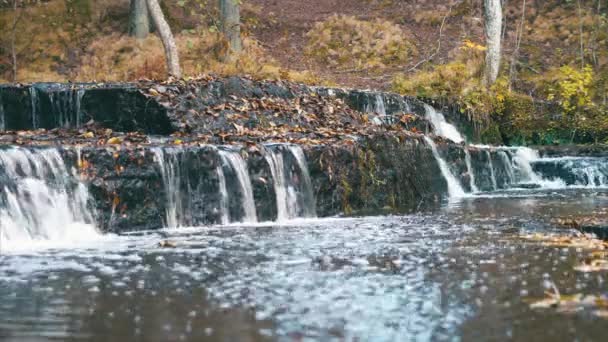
(431, 56)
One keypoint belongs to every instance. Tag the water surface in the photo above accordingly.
(460, 273)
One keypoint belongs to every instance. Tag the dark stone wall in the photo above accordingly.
(377, 176)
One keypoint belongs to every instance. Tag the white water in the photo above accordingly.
(492, 174)
(378, 108)
(234, 160)
(309, 203)
(291, 203)
(168, 161)
(442, 127)
(2, 115)
(470, 170)
(42, 204)
(34, 104)
(455, 190)
(66, 107)
(224, 199)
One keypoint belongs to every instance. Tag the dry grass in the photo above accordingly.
(346, 42)
(119, 58)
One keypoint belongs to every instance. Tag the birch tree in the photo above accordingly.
(164, 31)
(493, 26)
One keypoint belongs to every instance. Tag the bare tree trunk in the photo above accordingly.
(519, 34)
(16, 20)
(582, 45)
(164, 31)
(493, 26)
(230, 20)
(139, 19)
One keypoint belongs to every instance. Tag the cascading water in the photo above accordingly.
(224, 197)
(66, 107)
(378, 107)
(508, 166)
(470, 170)
(289, 204)
(42, 202)
(34, 105)
(309, 207)
(442, 127)
(234, 160)
(2, 115)
(168, 161)
(492, 173)
(455, 190)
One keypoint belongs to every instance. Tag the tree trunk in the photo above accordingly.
(16, 20)
(493, 25)
(230, 20)
(139, 19)
(164, 31)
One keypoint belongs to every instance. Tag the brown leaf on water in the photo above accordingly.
(167, 244)
(554, 240)
(592, 265)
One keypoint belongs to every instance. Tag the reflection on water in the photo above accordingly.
(454, 274)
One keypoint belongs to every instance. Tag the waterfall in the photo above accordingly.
(309, 207)
(277, 169)
(522, 160)
(2, 115)
(491, 167)
(224, 199)
(66, 107)
(34, 105)
(376, 106)
(234, 160)
(470, 170)
(41, 200)
(508, 167)
(442, 127)
(455, 190)
(289, 203)
(169, 163)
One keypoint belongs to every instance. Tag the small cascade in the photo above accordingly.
(442, 127)
(492, 173)
(285, 203)
(35, 105)
(66, 107)
(41, 200)
(293, 192)
(378, 107)
(589, 172)
(234, 160)
(455, 190)
(2, 115)
(470, 170)
(507, 165)
(309, 203)
(522, 162)
(224, 197)
(169, 163)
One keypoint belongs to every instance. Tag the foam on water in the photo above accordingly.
(42, 203)
(441, 126)
(454, 188)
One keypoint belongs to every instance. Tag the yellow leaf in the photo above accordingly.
(114, 141)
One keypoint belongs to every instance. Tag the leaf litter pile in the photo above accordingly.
(242, 112)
